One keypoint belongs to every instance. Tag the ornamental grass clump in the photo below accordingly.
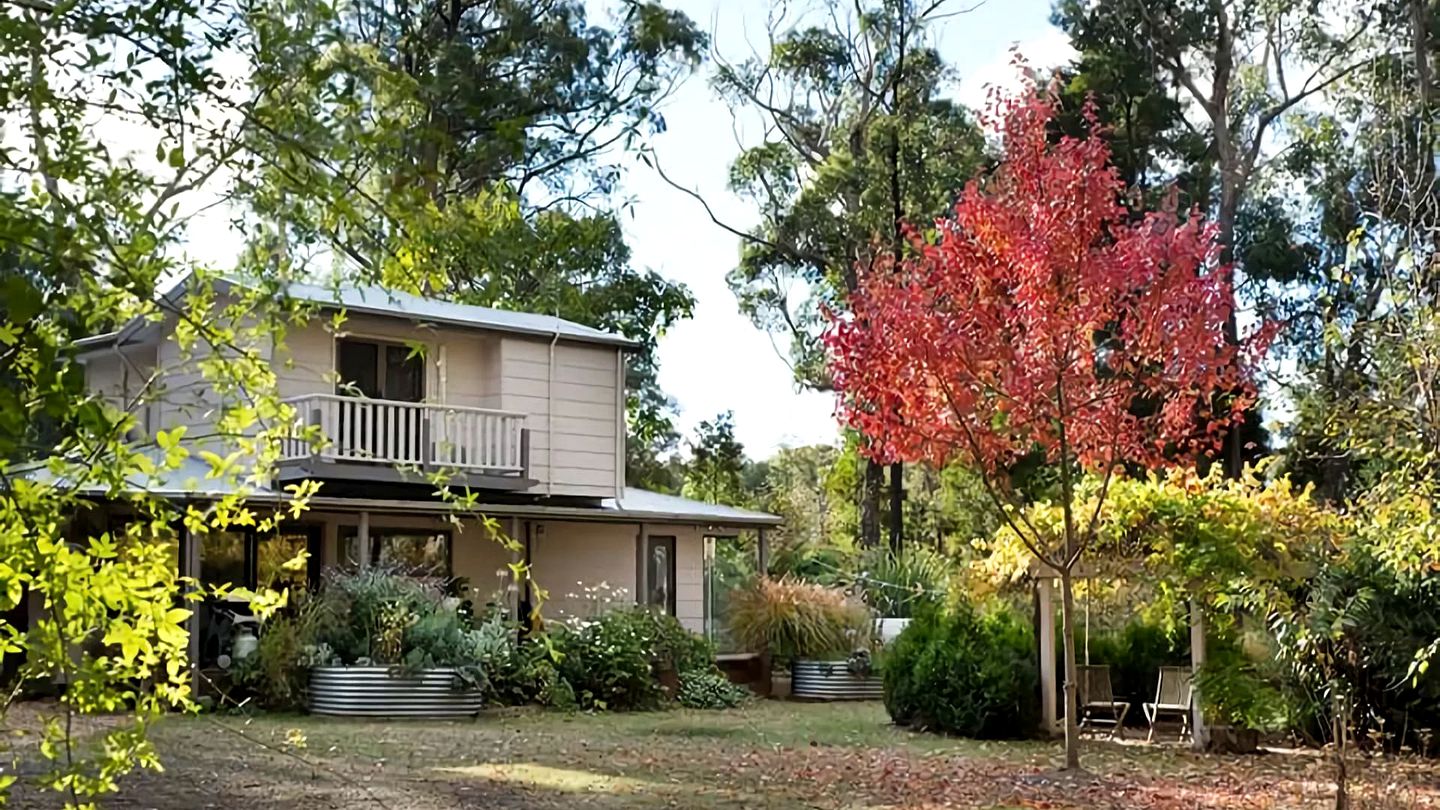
(792, 619)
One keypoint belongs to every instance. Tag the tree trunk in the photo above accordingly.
(1229, 209)
(1072, 703)
(871, 484)
(897, 507)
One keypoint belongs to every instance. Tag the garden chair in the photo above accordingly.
(1097, 700)
(1173, 695)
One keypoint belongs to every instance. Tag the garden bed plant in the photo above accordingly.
(381, 618)
(801, 624)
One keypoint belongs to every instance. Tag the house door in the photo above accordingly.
(381, 371)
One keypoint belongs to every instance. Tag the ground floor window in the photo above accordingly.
(660, 573)
(417, 552)
(253, 560)
(245, 559)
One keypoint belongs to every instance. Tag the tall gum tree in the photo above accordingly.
(1043, 316)
(859, 133)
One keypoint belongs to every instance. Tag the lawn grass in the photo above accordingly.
(767, 754)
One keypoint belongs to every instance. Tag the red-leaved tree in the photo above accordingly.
(1045, 317)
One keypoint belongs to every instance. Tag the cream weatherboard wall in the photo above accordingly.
(567, 557)
(121, 377)
(577, 385)
(570, 557)
(572, 396)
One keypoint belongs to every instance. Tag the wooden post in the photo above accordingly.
(362, 540)
(1200, 736)
(763, 554)
(190, 567)
(1047, 656)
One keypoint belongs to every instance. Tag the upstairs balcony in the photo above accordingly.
(383, 440)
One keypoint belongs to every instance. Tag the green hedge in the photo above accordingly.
(960, 671)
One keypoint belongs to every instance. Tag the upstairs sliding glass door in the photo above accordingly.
(393, 373)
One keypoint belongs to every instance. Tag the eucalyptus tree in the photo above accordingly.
(1215, 99)
(480, 148)
(859, 136)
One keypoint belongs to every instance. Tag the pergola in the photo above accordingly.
(1045, 578)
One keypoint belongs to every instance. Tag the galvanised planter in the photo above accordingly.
(812, 679)
(376, 692)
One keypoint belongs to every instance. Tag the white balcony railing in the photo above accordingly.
(383, 431)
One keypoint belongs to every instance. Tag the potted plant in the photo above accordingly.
(388, 645)
(810, 630)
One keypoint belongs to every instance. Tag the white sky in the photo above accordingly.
(718, 361)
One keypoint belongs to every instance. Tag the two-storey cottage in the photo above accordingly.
(527, 410)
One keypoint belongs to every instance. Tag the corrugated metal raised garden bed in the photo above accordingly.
(833, 680)
(388, 692)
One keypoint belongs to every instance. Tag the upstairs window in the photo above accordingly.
(380, 370)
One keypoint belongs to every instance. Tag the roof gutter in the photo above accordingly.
(319, 503)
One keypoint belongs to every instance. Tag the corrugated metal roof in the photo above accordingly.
(638, 501)
(190, 479)
(376, 300)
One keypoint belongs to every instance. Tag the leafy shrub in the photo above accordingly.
(961, 672)
(375, 617)
(609, 662)
(793, 619)
(709, 689)
(276, 673)
(1241, 693)
(1356, 637)
(898, 586)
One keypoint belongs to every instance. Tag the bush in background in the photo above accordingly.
(898, 586)
(1134, 653)
(960, 671)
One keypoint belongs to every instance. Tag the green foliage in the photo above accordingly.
(794, 487)
(1234, 544)
(277, 674)
(610, 662)
(1243, 693)
(709, 689)
(717, 460)
(961, 671)
(89, 233)
(376, 617)
(792, 619)
(1359, 642)
(1134, 653)
(853, 138)
(899, 586)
